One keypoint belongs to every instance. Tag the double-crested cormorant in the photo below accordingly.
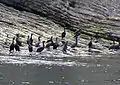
(55, 45)
(74, 45)
(30, 48)
(50, 43)
(115, 46)
(63, 42)
(12, 46)
(63, 33)
(96, 37)
(40, 49)
(111, 36)
(38, 43)
(65, 47)
(90, 44)
(17, 47)
(50, 40)
(17, 40)
(76, 34)
(31, 40)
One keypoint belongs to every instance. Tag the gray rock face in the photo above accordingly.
(90, 16)
(75, 13)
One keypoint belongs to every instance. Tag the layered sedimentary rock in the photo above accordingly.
(45, 17)
(73, 13)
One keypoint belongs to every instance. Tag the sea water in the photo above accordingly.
(52, 70)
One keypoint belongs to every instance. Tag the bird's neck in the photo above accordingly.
(13, 41)
(43, 45)
(31, 37)
(28, 38)
(51, 39)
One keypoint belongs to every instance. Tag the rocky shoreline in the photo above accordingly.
(13, 21)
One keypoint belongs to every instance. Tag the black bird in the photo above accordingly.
(17, 40)
(111, 36)
(63, 33)
(65, 47)
(40, 49)
(74, 45)
(63, 42)
(50, 43)
(17, 48)
(96, 37)
(76, 42)
(12, 45)
(90, 44)
(50, 40)
(28, 40)
(115, 47)
(38, 43)
(55, 45)
(77, 33)
(30, 48)
(31, 40)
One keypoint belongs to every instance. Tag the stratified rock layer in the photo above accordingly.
(95, 15)
(71, 14)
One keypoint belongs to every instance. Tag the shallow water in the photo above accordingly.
(54, 70)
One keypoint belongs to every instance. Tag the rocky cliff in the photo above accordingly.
(39, 16)
(95, 15)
